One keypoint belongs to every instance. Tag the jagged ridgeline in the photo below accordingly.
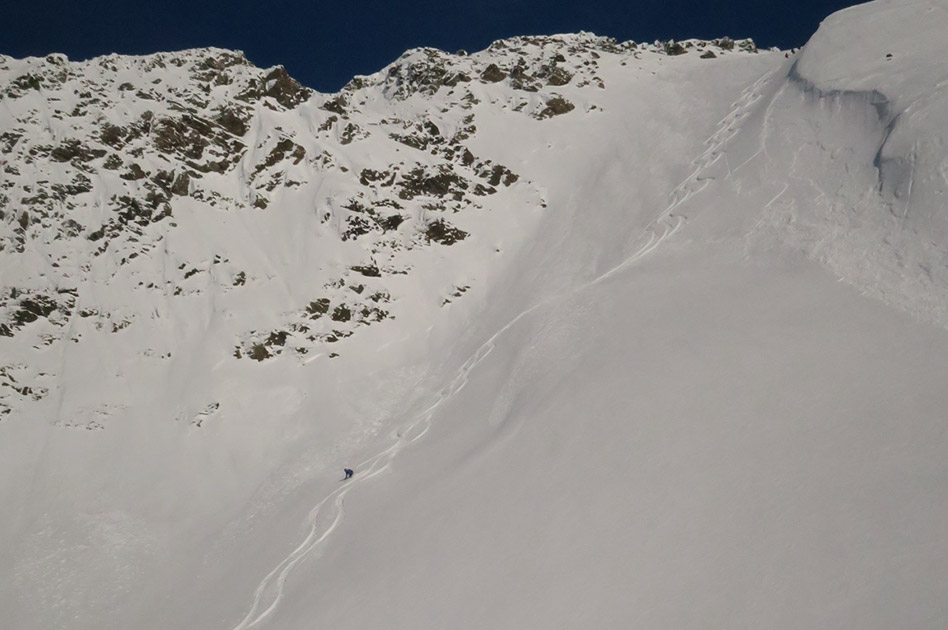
(134, 188)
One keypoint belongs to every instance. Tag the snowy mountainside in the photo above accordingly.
(604, 329)
(172, 176)
(699, 427)
(218, 287)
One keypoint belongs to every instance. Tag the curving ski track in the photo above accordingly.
(328, 513)
(667, 222)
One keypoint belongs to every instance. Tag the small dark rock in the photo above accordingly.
(75, 150)
(318, 308)
(493, 74)
(284, 89)
(181, 185)
(337, 105)
(391, 222)
(112, 135)
(439, 231)
(230, 120)
(370, 271)
(341, 314)
(277, 338)
(259, 352)
(556, 106)
(133, 173)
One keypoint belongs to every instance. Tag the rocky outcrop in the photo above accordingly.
(126, 171)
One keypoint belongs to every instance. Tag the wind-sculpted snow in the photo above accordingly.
(865, 100)
(894, 46)
(893, 51)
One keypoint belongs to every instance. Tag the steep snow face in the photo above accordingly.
(697, 427)
(219, 286)
(685, 424)
(547, 300)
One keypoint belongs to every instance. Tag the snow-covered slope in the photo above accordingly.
(570, 308)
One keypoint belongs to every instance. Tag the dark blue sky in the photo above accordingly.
(323, 44)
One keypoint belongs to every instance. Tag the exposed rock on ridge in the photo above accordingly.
(129, 173)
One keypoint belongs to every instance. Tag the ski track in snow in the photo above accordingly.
(323, 519)
(328, 513)
(668, 223)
